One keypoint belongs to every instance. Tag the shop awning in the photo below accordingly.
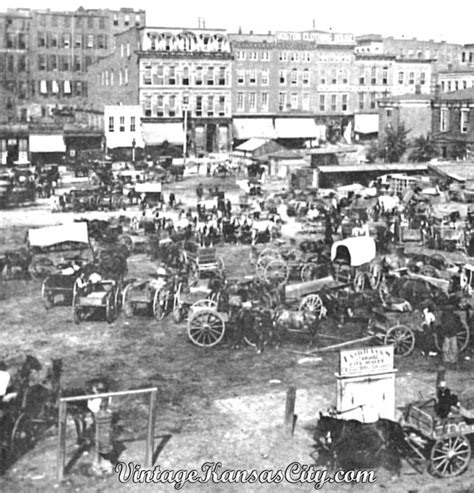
(52, 235)
(366, 124)
(47, 143)
(248, 128)
(251, 145)
(157, 133)
(297, 128)
(148, 187)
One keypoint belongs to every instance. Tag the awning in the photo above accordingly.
(52, 235)
(298, 128)
(366, 124)
(157, 133)
(247, 128)
(148, 187)
(360, 250)
(251, 145)
(47, 143)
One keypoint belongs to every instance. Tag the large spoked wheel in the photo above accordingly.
(159, 303)
(276, 272)
(462, 337)
(269, 253)
(309, 272)
(204, 303)
(177, 305)
(450, 456)
(402, 338)
(41, 267)
(127, 303)
(118, 298)
(127, 241)
(206, 327)
(313, 304)
(359, 282)
(375, 276)
(22, 436)
(47, 299)
(110, 309)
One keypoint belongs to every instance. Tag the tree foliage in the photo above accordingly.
(394, 143)
(423, 149)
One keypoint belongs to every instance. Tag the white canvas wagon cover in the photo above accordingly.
(361, 249)
(52, 235)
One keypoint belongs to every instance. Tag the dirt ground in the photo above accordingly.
(219, 404)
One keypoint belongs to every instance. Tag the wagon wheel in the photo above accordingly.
(313, 304)
(276, 272)
(309, 272)
(462, 337)
(177, 305)
(76, 312)
(375, 276)
(40, 267)
(402, 338)
(429, 271)
(359, 282)
(204, 303)
(269, 252)
(126, 240)
(450, 456)
(159, 301)
(110, 308)
(292, 254)
(22, 436)
(206, 327)
(127, 303)
(48, 302)
(261, 266)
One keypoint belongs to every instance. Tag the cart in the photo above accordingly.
(102, 296)
(203, 260)
(443, 444)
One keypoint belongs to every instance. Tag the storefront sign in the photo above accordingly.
(365, 361)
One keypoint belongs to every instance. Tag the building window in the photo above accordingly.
(411, 78)
(240, 101)
(388, 113)
(253, 55)
(283, 56)
(66, 40)
(128, 49)
(372, 101)
(264, 101)
(198, 105)
(265, 56)
(384, 76)
(101, 22)
(147, 75)
(361, 100)
(344, 77)
(160, 106)
(65, 63)
(77, 63)
(132, 124)
(449, 86)
(282, 76)
(186, 76)
(172, 105)
(125, 76)
(294, 100)
(282, 101)
(322, 78)
(137, 20)
(322, 102)
(241, 76)
(172, 76)
(333, 102)
(333, 77)
(423, 78)
(22, 63)
(222, 76)
(122, 124)
(90, 41)
(210, 76)
(294, 76)
(122, 50)
(53, 62)
(344, 102)
(464, 84)
(221, 105)
(41, 62)
(11, 63)
(199, 76)
(126, 21)
(464, 121)
(10, 40)
(252, 101)
(116, 21)
(253, 76)
(362, 76)
(111, 123)
(306, 76)
(264, 77)
(306, 101)
(373, 76)
(78, 40)
(444, 120)
(456, 85)
(42, 40)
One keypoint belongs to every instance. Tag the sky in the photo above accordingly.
(451, 21)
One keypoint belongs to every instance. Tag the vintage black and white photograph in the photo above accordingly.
(236, 246)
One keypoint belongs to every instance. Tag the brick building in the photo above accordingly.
(453, 122)
(174, 75)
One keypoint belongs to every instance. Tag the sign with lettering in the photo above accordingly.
(365, 361)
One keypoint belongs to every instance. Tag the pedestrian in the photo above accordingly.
(426, 338)
(208, 169)
(448, 329)
(199, 192)
(172, 200)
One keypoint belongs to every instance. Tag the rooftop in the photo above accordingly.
(457, 171)
(463, 95)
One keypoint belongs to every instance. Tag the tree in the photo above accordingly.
(372, 153)
(423, 149)
(459, 150)
(394, 144)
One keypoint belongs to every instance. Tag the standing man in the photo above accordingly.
(448, 329)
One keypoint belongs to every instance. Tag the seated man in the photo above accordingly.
(6, 391)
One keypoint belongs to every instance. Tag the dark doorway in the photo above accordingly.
(210, 137)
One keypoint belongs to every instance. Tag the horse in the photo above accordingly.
(351, 444)
(18, 260)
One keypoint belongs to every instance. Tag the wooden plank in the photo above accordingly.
(61, 452)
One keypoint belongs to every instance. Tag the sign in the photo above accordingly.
(365, 361)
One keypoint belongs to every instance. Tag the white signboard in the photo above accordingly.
(365, 361)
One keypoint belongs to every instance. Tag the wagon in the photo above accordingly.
(449, 238)
(98, 297)
(443, 443)
(203, 260)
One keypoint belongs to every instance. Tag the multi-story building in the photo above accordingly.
(456, 79)
(453, 122)
(181, 79)
(45, 55)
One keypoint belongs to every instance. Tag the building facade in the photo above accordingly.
(453, 123)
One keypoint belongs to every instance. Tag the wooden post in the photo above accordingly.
(150, 430)
(61, 441)
(290, 417)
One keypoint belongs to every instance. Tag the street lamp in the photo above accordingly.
(134, 143)
(185, 124)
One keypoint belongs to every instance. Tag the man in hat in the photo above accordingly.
(448, 329)
(426, 337)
